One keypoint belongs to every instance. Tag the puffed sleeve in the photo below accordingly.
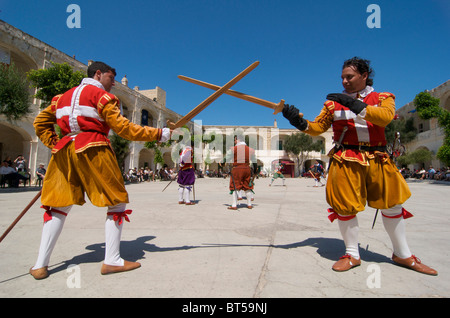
(383, 113)
(44, 125)
(321, 123)
(110, 112)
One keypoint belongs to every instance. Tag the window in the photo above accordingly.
(144, 118)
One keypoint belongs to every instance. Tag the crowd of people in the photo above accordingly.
(440, 174)
(147, 174)
(12, 173)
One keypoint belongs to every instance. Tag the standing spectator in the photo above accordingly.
(40, 174)
(20, 163)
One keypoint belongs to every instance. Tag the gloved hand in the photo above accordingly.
(165, 135)
(354, 105)
(291, 113)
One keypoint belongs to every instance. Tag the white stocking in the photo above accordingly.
(349, 231)
(233, 195)
(248, 194)
(50, 234)
(396, 229)
(113, 233)
(187, 194)
(180, 194)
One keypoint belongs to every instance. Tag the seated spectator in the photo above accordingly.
(40, 174)
(431, 173)
(10, 175)
(24, 176)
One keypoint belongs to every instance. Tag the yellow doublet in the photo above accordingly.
(374, 180)
(94, 170)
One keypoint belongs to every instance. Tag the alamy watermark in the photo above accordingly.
(74, 19)
(374, 19)
(74, 278)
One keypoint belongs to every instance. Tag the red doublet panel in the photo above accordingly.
(78, 115)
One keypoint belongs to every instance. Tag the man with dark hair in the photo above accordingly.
(99, 66)
(361, 171)
(84, 162)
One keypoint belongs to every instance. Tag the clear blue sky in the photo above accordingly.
(301, 46)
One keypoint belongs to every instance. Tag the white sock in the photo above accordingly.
(349, 231)
(234, 203)
(396, 229)
(187, 194)
(113, 233)
(50, 234)
(248, 194)
(180, 194)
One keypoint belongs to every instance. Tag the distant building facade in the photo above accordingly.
(430, 136)
(148, 107)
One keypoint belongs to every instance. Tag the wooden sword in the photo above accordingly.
(221, 90)
(276, 107)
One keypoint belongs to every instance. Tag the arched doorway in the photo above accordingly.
(287, 167)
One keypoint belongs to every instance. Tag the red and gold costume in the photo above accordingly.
(83, 160)
(365, 170)
(241, 171)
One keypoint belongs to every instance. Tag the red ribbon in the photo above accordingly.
(48, 212)
(119, 216)
(405, 214)
(333, 216)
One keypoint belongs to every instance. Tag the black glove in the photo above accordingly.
(354, 105)
(291, 113)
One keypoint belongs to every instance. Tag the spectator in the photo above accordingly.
(20, 163)
(40, 174)
(431, 173)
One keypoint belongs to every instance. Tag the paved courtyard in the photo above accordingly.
(282, 248)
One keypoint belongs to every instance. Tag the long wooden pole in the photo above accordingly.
(21, 215)
(276, 107)
(194, 112)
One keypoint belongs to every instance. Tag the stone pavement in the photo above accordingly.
(283, 248)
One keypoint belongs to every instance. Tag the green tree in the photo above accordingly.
(427, 107)
(14, 93)
(121, 148)
(404, 126)
(300, 145)
(419, 156)
(57, 79)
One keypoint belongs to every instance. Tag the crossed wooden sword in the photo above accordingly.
(219, 90)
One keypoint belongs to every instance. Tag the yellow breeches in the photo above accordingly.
(94, 171)
(351, 185)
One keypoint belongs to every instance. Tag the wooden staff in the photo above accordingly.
(276, 107)
(211, 98)
(313, 175)
(21, 215)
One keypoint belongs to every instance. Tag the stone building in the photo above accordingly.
(430, 136)
(148, 107)
(144, 107)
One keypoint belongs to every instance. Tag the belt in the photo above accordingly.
(365, 148)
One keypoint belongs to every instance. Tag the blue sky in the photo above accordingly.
(301, 46)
